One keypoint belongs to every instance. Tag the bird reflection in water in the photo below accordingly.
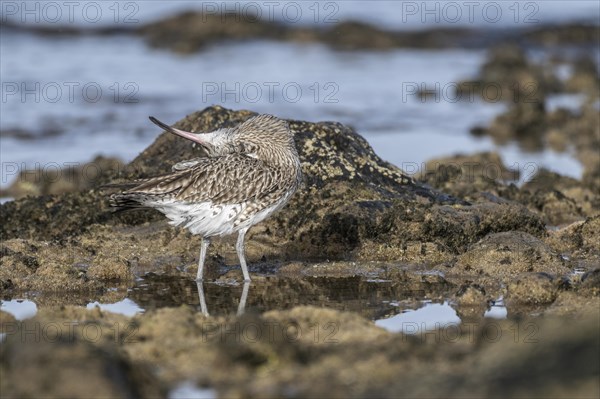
(241, 307)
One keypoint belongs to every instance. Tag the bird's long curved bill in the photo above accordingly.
(186, 135)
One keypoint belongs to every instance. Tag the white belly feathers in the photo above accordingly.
(202, 218)
(208, 220)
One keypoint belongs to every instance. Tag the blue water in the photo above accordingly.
(98, 92)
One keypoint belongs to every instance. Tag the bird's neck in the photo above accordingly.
(281, 157)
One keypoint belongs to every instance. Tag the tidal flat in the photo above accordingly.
(369, 282)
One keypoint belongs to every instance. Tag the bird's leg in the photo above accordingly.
(203, 247)
(203, 307)
(243, 299)
(239, 247)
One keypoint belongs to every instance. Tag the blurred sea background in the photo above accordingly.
(69, 97)
(80, 78)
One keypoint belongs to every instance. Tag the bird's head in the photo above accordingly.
(206, 140)
(262, 137)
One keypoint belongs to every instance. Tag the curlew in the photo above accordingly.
(251, 171)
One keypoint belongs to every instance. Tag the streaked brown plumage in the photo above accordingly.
(251, 171)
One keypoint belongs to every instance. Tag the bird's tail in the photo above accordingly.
(125, 201)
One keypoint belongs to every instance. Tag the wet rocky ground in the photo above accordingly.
(360, 243)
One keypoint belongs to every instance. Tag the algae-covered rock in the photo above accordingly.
(51, 217)
(523, 121)
(483, 177)
(304, 350)
(580, 33)
(571, 304)
(586, 200)
(509, 254)
(467, 173)
(508, 75)
(347, 188)
(585, 77)
(590, 283)
(75, 177)
(590, 234)
(71, 353)
(330, 152)
(578, 242)
(528, 120)
(190, 32)
(471, 294)
(532, 288)
(472, 301)
(39, 265)
(7, 321)
(352, 205)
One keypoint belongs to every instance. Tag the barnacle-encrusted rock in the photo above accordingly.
(509, 254)
(352, 205)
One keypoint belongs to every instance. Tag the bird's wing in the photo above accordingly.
(229, 179)
(186, 164)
